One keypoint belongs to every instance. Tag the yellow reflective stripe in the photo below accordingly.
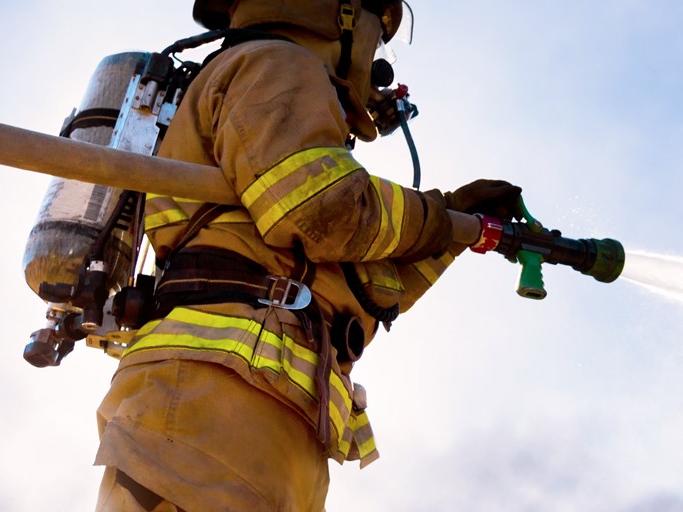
(150, 196)
(280, 354)
(292, 164)
(431, 269)
(379, 273)
(365, 446)
(192, 316)
(362, 272)
(346, 442)
(259, 360)
(148, 327)
(162, 218)
(339, 424)
(336, 163)
(397, 207)
(360, 419)
(148, 339)
(446, 259)
(161, 210)
(336, 417)
(337, 383)
(300, 378)
(344, 446)
(234, 217)
(389, 283)
(170, 216)
(301, 352)
(391, 218)
(305, 381)
(384, 220)
(191, 341)
(426, 271)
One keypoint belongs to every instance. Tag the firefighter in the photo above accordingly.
(238, 393)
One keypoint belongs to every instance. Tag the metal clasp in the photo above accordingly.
(347, 17)
(284, 286)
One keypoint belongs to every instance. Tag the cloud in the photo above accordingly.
(516, 470)
(548, 467)
(662, 502)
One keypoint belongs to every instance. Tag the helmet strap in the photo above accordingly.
(347, 23)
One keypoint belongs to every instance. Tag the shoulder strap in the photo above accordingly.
(235, 36)
(200, 219)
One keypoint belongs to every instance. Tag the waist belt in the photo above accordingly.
(207, 275)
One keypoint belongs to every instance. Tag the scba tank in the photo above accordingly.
(73, 213)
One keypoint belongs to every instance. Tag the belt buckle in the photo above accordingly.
(301, 300)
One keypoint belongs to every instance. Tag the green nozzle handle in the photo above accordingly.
(530, 283)
(531, 221)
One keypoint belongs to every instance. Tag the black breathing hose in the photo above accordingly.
(402, 115)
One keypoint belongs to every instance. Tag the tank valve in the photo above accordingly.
(48, 346)
(43, 349)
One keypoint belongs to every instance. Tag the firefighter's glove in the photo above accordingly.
(497, 198)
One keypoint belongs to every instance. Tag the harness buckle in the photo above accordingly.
(347, 15)
(279, 293)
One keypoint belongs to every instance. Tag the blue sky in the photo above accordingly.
(481, 401)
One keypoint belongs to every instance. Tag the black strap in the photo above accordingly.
(236, 36)
(324, 368)
(304, 269)
(346, 39)
(205, 214)
(210, 275)
(344, 65)
(90, 118)
(384, 315)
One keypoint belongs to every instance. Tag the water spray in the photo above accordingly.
(659, 273)
(531, 245)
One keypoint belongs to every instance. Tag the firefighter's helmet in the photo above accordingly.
(320, 16)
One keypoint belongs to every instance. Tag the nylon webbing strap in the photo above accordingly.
(235, 36)
(91, 118)
(386, 315)
(346, 22)
(322, 375)
(304, 269)
(207, 275)
(201, 218)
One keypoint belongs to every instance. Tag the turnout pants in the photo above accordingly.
(199, 438)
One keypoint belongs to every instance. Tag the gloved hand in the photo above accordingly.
(497, 198)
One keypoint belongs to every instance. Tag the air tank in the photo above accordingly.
(73, 213)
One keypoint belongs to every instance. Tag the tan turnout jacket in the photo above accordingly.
(267, 113)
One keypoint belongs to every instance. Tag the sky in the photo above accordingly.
(480, 400)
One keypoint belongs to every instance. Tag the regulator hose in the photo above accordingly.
(403, 114)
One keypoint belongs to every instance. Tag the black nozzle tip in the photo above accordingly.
(609, 261)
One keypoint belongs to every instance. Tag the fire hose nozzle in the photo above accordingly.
(609, 260)
(530, 244)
